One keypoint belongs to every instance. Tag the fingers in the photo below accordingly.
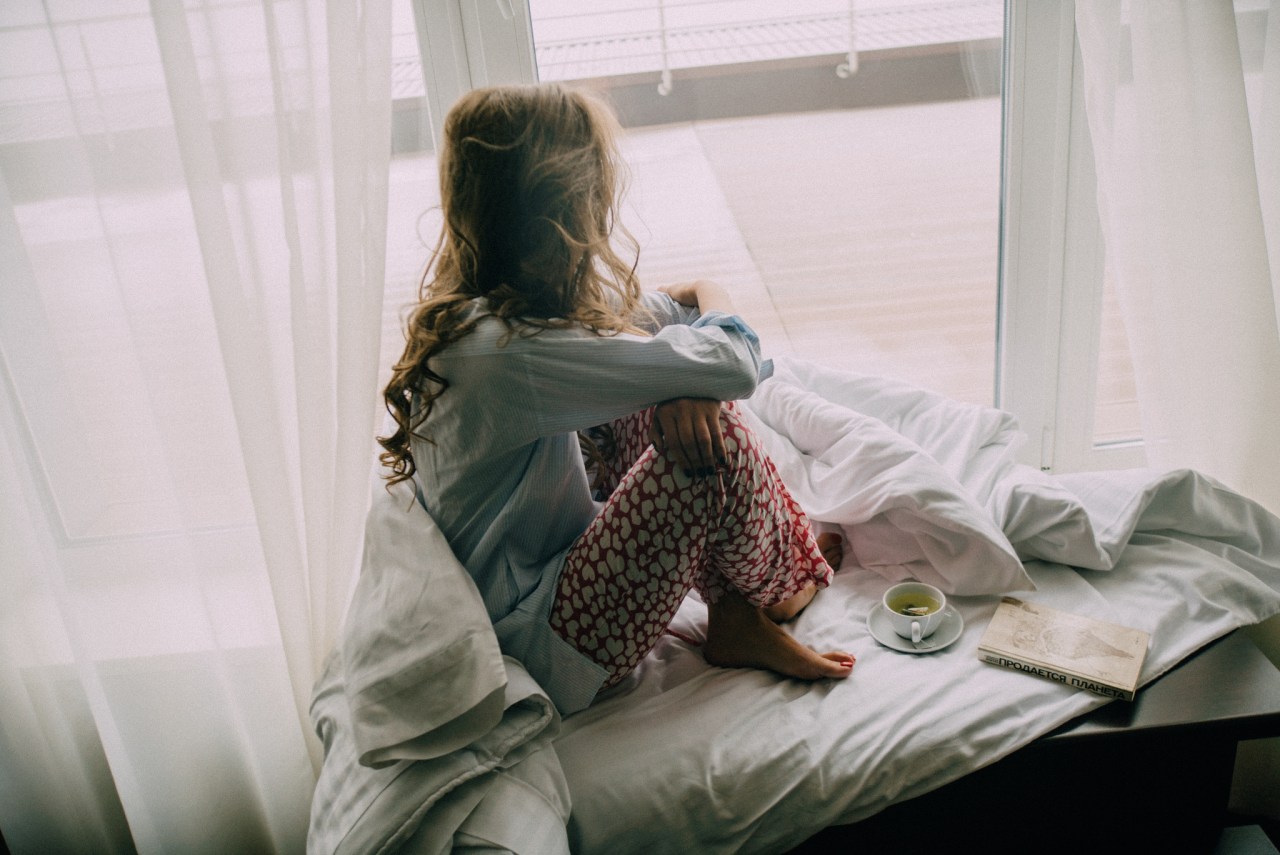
(656, 437)
(688, 430)
(681, 436)
(682, 292)
(719, 454)
(701, 458)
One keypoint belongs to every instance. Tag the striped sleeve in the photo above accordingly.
(576, 382)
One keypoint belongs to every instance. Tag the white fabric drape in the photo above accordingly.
(1182, 104)
(193, 203)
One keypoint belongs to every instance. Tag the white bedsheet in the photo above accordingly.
(683, 757)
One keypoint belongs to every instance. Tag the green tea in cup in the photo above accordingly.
(915, 609)
(914, 604)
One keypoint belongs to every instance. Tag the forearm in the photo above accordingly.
(702, 294)
(714, 307)
(713, 297)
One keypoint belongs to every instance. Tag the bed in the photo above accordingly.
(434, 740)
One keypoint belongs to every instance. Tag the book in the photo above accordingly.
(1069, 648)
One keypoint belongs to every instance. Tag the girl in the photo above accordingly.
(529, 329)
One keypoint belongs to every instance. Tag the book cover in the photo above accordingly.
(1069, 648)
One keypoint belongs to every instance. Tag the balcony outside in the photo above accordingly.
(854, 216)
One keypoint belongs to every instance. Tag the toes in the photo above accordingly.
(836, 665)
(831, 545)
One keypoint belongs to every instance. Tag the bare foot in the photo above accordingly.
(831, 545)
(742, 636)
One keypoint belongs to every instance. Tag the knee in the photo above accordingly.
(739, 438)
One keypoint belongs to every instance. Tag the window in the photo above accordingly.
(928, 216)
(1064, 372)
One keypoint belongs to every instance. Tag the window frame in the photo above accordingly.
(467, 44)
(1052, 255)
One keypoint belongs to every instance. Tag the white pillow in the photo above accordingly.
(903, 514)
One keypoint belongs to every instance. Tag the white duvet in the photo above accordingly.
(689, 758)
(683, 757)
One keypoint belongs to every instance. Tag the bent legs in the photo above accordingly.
(832, 548)
(738, 537)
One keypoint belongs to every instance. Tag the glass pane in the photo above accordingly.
(1116, 418)
(854, 216)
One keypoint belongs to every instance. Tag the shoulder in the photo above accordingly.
(495, 349)
(492, 334)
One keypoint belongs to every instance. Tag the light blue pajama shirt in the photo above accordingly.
(503, 476)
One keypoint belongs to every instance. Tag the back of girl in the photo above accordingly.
(531, 328)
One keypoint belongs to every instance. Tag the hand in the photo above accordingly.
(701, 294)
(688, 431)
(684, 293)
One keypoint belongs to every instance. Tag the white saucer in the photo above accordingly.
(944, 636)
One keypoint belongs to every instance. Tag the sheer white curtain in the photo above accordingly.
(193, 202)
(1183, 105)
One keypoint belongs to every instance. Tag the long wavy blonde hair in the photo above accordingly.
(529, 184)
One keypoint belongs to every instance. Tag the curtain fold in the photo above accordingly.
(1265, 105)
(1176, 95)
(193, 221)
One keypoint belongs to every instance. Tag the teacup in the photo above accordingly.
(915, 609)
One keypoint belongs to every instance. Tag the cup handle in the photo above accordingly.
(917, 632)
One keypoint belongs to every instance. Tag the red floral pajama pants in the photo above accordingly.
(662, 532)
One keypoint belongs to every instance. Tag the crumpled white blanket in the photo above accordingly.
(433, 740)
(924, 487)
(684, 757)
